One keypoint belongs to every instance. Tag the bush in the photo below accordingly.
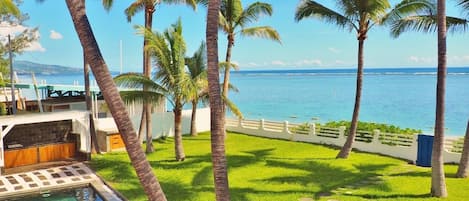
(3, 109)
(370, 126)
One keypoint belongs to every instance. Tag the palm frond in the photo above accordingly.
(232, 107)
(141, 97)
(312, 9)
(225, 65)
(136, 81)
(135, 7)
(191, 3)
(233, 88)
(410, 7)
(465, 6)
(266, 32)
(253, 12)
(9, 7)
(231, 10)
(426, 23)
(107, 4)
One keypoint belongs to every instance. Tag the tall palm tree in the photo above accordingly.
(438, 188)
(217, 123)
(234, 19)
(168, 50)
(149, 7)
(93, 55)
(463, 167)
(198, 74)
(359, 16)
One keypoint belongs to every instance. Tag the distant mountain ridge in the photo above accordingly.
(26, 67)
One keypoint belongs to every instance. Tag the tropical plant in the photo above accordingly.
(463, 167)
(8, 7)
(370, 126)
(168, 50)
(198, 74)
(217, 118)
(111, 95)
(149, 7)
(359, 16)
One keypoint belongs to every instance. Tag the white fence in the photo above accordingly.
(391, 144)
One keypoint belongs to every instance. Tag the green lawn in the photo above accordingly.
(267, 169)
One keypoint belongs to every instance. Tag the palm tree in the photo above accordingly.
(438, 188)
(463, 167)
(198, 74)
(217, 119)
(360, 16)
(149, 7)
(234, 19)
(168, 50)
(116, 106)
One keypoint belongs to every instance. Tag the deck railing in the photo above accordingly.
(392, 144)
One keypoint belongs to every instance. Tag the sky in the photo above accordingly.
(308, 44)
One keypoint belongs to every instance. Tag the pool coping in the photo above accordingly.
(55, 178)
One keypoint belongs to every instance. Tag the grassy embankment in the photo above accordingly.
(266, 169)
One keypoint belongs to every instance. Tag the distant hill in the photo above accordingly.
(26, 67)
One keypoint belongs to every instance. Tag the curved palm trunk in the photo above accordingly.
(147, 72)
(111, 95)
(178, 147)
(347, 148)
(463, 167)
(217, 118)
(193, 118)
(438, 188)
(86, 69)
(226, 78)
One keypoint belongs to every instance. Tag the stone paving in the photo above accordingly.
(53, 178)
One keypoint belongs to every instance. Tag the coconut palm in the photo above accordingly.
(234, 19)
(359, 16)
(463, 167)
(149, 7)
(217, 119)
(198, 74)
(116, 106)
(168, 50)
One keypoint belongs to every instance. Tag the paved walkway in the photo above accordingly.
(53, 178)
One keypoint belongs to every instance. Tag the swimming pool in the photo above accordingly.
(86, 193)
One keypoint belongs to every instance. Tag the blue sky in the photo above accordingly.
(309, 44)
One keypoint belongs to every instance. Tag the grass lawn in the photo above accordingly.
(266, 169)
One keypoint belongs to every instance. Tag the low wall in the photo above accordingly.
(163, 122)
(396, 145)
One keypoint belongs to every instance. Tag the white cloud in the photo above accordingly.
(306, 62)
(422, 60)
(333, 50)
(9, 29)
(54, 35)
(278, 63)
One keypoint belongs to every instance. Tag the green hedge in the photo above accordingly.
(370, 126)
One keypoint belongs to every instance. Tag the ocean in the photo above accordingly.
(400, 96)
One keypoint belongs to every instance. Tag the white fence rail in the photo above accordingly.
(391, 144)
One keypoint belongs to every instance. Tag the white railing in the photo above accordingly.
(392, 144)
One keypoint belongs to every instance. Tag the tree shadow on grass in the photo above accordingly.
(326, 176)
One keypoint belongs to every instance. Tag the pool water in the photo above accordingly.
(77, 194)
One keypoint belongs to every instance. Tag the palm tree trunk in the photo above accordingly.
(94, 138)
(438, 188)
(193, 118)
(347, 148)
(217, 118)
(463, 167)
(147, 73)
(226, 78)
(111, 95)
(141, 127)
(178, 147)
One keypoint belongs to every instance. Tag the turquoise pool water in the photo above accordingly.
(76, 194)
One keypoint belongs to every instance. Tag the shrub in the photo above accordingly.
(370, 126)
(3, 109)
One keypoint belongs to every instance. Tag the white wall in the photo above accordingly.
(163, 122)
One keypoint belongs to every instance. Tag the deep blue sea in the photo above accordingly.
(400, 96)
